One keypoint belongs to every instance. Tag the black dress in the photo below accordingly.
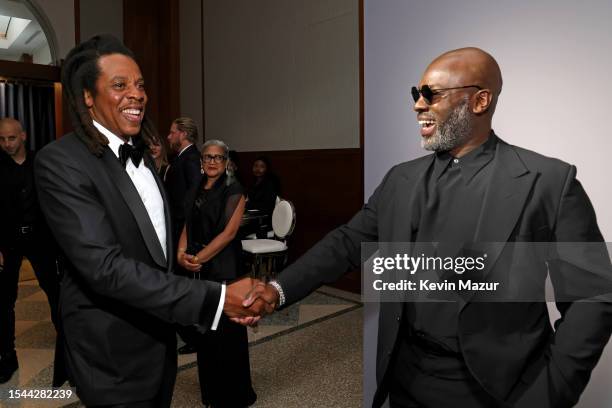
(223, 355)
(262, 195)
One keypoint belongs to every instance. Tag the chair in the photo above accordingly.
(271, 254)
(270, 233)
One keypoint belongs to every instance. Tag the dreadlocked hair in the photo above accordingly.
(80, 72)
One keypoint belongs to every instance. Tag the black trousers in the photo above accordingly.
(224, 368)
(41, 252)
(412, 384)
(163, 399)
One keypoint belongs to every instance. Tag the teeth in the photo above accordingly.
(426, 123)
(132, 111)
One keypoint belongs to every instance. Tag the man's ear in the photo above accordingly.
(88, 98)
(482, 101)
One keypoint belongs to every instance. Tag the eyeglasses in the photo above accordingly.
(427, 93)
(215, 158)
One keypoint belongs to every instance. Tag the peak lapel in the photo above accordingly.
(504, 201)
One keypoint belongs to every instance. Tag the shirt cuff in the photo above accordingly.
(219, 309)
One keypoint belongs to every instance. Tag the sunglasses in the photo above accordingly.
(427, 93)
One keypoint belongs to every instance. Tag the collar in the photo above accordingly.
(114, 141)
(185, 148)
(471, 163)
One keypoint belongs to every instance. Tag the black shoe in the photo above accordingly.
(187, 349)
(8, 366)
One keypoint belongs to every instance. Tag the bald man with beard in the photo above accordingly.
(474, 188)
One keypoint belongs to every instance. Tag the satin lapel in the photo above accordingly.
(134, 202)
(162, 189)
(504, 201)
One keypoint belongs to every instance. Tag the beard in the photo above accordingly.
(451, 133)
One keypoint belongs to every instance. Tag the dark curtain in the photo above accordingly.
(34, 106)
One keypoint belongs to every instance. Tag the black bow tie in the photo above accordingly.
(128, 151)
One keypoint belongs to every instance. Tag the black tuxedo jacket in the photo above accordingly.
(118, 297)
(183, 175)
(510, 348)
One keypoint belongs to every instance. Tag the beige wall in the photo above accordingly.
(281, 74)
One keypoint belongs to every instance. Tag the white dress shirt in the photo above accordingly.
(184, 148)
(145, 184)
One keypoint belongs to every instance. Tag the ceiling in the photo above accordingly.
(31, 40)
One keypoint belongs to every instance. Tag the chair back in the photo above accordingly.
(283, 219)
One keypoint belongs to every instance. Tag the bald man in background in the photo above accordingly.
(474, 188)
(23, 232)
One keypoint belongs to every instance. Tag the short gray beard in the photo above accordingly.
(451, 133)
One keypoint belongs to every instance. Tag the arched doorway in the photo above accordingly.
(30, 89)
(26, 34)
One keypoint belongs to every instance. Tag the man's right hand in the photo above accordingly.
(248, 300)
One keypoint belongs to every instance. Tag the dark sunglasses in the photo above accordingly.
(427, 93)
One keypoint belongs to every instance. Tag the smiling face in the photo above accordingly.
(120, 98)
(211, 168)
(446, 123)
(459, 120)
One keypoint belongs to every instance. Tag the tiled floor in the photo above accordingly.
(290, 352)
(35, 342)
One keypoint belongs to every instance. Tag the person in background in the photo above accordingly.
(209, 248)
(232, 164)
(262, 194)
(23, 232)
(184, 171)
(159, 154)
(182, 175)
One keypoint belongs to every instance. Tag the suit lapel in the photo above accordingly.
(134, 202)
(410, 190)
(504, 201)
(148, 161)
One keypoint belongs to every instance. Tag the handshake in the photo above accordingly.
(247, 300)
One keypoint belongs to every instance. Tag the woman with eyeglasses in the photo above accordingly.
(209, 248)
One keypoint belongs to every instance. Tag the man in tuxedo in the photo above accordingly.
(183, 174)
(184, 171)
(475, 188)
(23, 232)
(105, 204)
